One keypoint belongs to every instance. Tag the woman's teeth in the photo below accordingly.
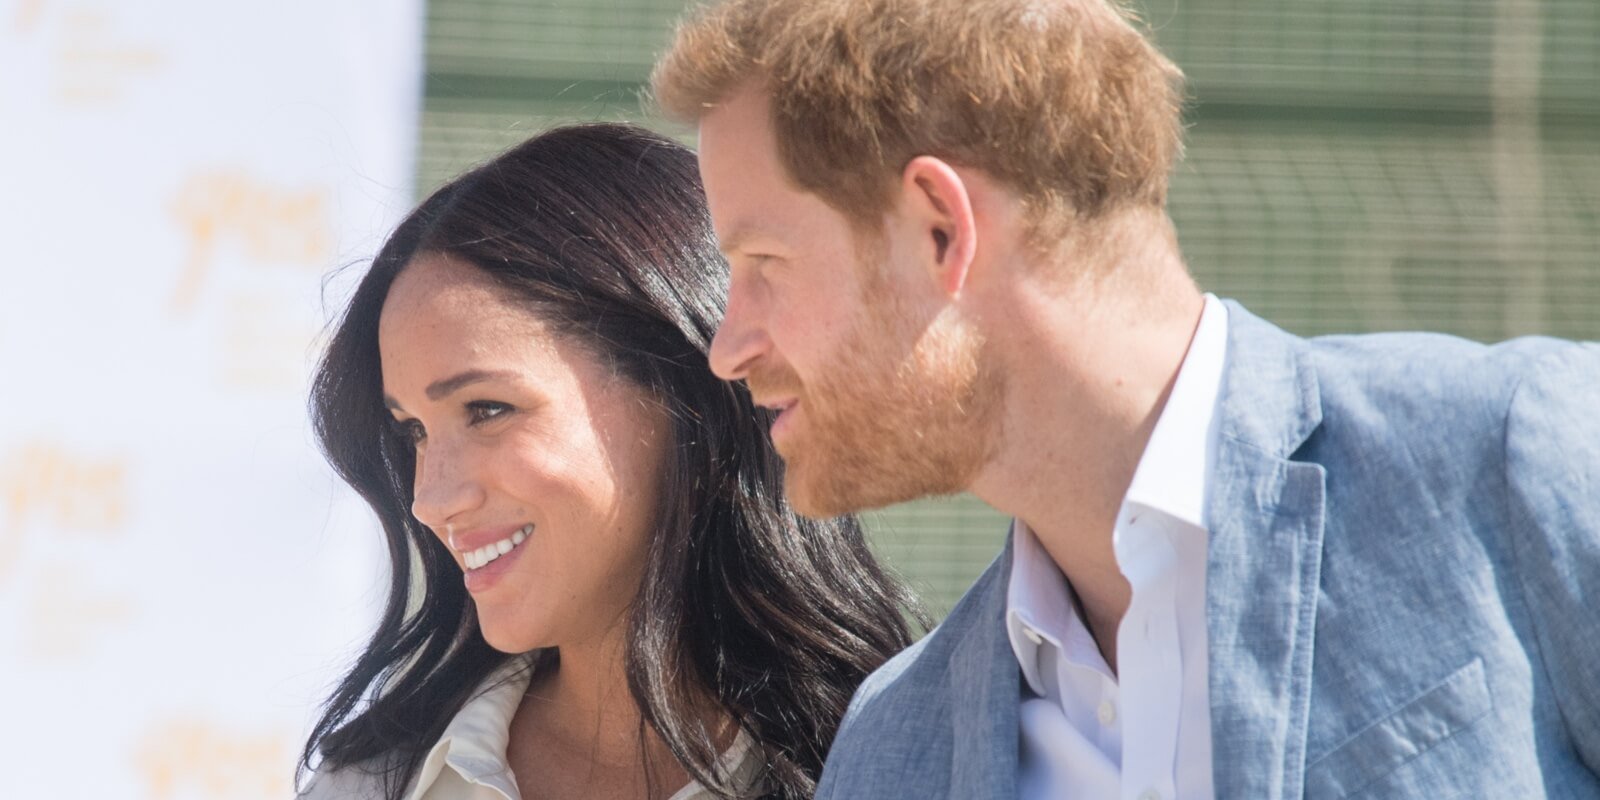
(489, 552)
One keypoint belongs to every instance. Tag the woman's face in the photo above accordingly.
(536, 466)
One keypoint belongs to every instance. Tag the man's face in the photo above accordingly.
(883, 390)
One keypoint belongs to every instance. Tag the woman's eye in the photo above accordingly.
(481, 411)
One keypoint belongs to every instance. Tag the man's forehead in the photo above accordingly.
(736, 130)
(748, 103)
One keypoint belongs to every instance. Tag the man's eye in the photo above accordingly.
(481, 411)
(409, 430)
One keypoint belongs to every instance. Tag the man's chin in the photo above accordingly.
(802, 498)
(836, 494)
(814, 498)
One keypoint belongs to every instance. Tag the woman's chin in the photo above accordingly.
(508, 639)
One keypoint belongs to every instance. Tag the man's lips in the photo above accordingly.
(785, 417)
(778, 405)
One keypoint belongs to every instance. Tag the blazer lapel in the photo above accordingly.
(1265, 515)
(985, 693)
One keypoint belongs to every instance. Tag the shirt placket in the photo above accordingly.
(1149, 659)
(1090, 700)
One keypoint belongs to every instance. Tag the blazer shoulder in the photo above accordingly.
(1429, 364)
(1559, 390)
(920, 673)
(1405, 385)
(896, 711)
(1384, 390)
(1552, 450)
(1552, 476)
(899, 720)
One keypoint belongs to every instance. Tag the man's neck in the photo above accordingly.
(1087, 381)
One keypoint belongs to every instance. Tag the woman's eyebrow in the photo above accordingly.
(444, 387)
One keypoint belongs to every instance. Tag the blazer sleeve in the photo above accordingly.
(1552, 464)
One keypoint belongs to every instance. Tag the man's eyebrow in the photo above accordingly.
(738, 238)
(445, 387)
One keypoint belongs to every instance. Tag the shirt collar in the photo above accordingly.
(1039, 601)
(474, 743)
(1174, 473)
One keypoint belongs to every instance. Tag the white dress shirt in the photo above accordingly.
(469, 761)
(1145, 733)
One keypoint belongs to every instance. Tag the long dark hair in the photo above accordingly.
(773, 618)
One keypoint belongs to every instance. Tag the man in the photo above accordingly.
(1243, 564)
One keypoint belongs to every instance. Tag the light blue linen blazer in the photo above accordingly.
(1402, 597)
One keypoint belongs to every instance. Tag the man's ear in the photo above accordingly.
(938, 203)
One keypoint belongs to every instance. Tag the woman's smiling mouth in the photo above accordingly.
(481, 557)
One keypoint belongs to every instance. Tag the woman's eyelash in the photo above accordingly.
(478, 412)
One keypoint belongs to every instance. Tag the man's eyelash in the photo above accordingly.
(409, 430)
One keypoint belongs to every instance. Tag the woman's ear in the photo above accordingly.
(937, 201)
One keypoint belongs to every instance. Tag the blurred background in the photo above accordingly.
(181, 577)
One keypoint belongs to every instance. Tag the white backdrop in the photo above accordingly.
(181, 577)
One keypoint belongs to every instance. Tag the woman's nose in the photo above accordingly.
(446, 485)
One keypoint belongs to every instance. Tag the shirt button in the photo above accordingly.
(1149, 794)
(1108, 714)
(1033, 636)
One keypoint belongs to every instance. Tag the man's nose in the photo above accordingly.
(446, 485)
(741, 339)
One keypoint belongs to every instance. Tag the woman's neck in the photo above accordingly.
(577, 732)
(581, 696)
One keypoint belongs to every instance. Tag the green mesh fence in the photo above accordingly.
(1353, 165)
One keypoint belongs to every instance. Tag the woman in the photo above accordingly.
(597, 588)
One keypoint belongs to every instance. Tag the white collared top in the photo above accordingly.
(1145, 733)
(469, 760)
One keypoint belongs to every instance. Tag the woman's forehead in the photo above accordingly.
(451, 293)
(441, 313)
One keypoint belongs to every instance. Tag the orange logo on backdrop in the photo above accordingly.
(68, 613)
(27, 15)
(272, 225)
(197, 757)
(44, 482)
(96, 66)
(263, 342)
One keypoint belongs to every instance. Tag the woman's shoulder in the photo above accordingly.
(478, 729)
